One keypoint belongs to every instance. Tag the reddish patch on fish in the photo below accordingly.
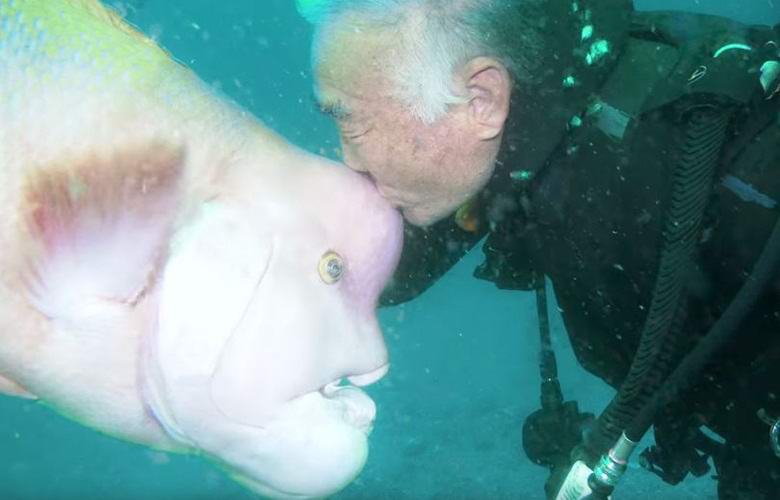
(100, 218)
(91, 189)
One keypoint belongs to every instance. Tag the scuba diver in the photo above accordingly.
(628, 158)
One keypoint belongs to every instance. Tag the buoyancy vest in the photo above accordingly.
(592, 217)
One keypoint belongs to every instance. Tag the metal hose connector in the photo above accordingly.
(613, 465)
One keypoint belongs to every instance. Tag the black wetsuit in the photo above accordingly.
(591, 217)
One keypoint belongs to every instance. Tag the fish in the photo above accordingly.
(173, 272)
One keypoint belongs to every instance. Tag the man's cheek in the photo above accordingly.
(371, 159)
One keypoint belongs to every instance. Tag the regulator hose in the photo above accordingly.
(686, 373)
(704, 134)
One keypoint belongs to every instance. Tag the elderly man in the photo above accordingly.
(630, 158)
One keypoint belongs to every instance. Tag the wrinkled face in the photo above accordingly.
(267, 301)
(426, 170)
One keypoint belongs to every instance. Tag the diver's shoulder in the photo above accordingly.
(679, 28)
(680, 54)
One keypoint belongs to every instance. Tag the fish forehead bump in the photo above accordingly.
(357, 221)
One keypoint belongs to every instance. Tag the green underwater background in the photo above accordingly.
(464, 355)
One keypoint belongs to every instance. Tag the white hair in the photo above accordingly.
(434, 38)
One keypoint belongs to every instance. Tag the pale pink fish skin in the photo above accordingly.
(160, 274)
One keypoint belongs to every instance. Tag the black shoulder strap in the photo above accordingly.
(673, 55)
(641, 67)
(718, 58)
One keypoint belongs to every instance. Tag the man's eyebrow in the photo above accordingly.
(335, 109)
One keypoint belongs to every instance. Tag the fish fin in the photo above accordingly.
(11, 388)
(97, 226)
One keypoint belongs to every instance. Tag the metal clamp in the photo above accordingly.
(770, 78)
(613, 465)
(774, 430)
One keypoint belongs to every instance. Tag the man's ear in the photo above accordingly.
(489, 90)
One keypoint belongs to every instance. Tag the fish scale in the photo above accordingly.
(85, 48)
(78, 64)
(77, 32)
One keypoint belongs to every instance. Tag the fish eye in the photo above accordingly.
(331, 267)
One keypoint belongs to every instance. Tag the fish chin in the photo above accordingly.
(315, 446)
(265, 490)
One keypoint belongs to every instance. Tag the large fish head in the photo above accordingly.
(267, 301)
